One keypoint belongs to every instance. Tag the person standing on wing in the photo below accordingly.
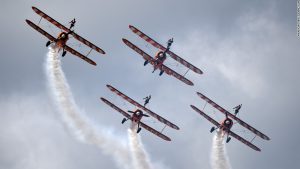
(72, 23)
(237, 109)
(147, 99)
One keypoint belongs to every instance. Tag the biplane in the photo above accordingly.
(158, 61)
(226, 124)
(61, 41)
(138, 114)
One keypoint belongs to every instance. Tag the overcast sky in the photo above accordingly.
(248, 51)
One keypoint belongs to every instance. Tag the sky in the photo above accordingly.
(248, 51)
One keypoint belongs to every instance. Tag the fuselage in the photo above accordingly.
(160, 57)
(226, 124)
(61, 39)
(137, 116)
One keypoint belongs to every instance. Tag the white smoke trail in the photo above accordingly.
(75, 119)
(219, 159)
(139, 155)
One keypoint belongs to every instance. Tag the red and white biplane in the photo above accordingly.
(63, 37)
(138, 114)
(226, 125)
(161, 56)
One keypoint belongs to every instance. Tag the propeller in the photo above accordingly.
(129, 111)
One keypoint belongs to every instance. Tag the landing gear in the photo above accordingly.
(161, 72)
(48, 43)
(123, 121)
(64, 53)
(212, 129)
(228, 139)
(139, 129)
(146, 62)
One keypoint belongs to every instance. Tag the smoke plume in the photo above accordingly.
(219, 158)
(74, 118)
(139, 155)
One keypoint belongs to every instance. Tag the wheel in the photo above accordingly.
(212, 129)
(48, 43)
(138, 130)
(161, 72)
(146, 62)
(64, 53)
(123, 121)
(228, 139)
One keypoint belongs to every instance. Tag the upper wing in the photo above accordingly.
(86, 42)
(139, 51)
(205, 116)
(159, 118)
(151, 60)
(155, 132)
(161, 47)
(115, 107)
(60, 26)
(47, 17)
(243, 140)
(184, 62)
(241, 122)
(34, 26)
(74, 52)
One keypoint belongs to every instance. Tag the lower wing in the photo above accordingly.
(115, 107)
(243, 141)
(37, 28)
(74, 52)
(155, 132)
(205, 116)
(176, 75)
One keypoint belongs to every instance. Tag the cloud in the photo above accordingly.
(247, 50)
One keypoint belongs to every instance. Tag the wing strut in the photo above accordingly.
(40, 20)
(163, 128)
(204, 106)
(89, 52)
(186, 72)
(253, 138)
